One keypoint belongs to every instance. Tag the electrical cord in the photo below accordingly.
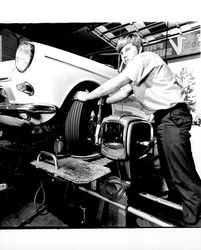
(116, 182)
(113, 188)
(38, 207)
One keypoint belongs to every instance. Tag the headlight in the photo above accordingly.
(24, 56)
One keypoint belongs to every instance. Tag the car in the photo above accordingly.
(39, 85)
(38, 88)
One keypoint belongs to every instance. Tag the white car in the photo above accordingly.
(38, 87)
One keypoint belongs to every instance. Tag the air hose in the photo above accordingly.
(113, 188)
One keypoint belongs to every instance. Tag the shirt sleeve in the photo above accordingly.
(138, 69)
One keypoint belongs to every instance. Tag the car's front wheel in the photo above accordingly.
(80, 126)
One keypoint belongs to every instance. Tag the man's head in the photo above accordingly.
(129, 46)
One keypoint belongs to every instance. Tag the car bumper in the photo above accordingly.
(29, 108)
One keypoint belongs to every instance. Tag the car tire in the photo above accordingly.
(80, 128)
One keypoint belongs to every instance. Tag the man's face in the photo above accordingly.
(128, 53)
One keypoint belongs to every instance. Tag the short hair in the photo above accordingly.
(131, 38)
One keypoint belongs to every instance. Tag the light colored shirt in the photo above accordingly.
(154, 84)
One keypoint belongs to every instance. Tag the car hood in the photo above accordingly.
(74, 59)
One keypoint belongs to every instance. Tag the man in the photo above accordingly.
(154, 85)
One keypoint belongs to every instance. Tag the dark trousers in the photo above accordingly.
(173, 137)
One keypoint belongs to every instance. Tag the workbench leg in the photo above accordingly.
(100, 211)
(132, 200)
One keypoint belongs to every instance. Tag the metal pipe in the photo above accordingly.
(92, 27)
(129, 209)
(161, 201)
(160, 39)
(50, 155)
(153, 25)
(156, 40)
(117, 28)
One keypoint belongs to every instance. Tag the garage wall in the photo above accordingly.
(8, 44)
(179, 46)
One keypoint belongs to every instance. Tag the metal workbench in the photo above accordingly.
(82, 173)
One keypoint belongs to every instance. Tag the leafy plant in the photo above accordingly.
(186, 81)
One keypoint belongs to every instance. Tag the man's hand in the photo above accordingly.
(81, 96)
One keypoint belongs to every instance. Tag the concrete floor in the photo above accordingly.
(43, 220)
(17, 202)
(19, 211)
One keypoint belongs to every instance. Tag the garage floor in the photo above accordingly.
(26, 217)
(17, 202)
(19, 211)
(43, 220)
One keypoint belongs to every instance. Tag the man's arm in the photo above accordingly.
(120, 95)
(105, 89)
